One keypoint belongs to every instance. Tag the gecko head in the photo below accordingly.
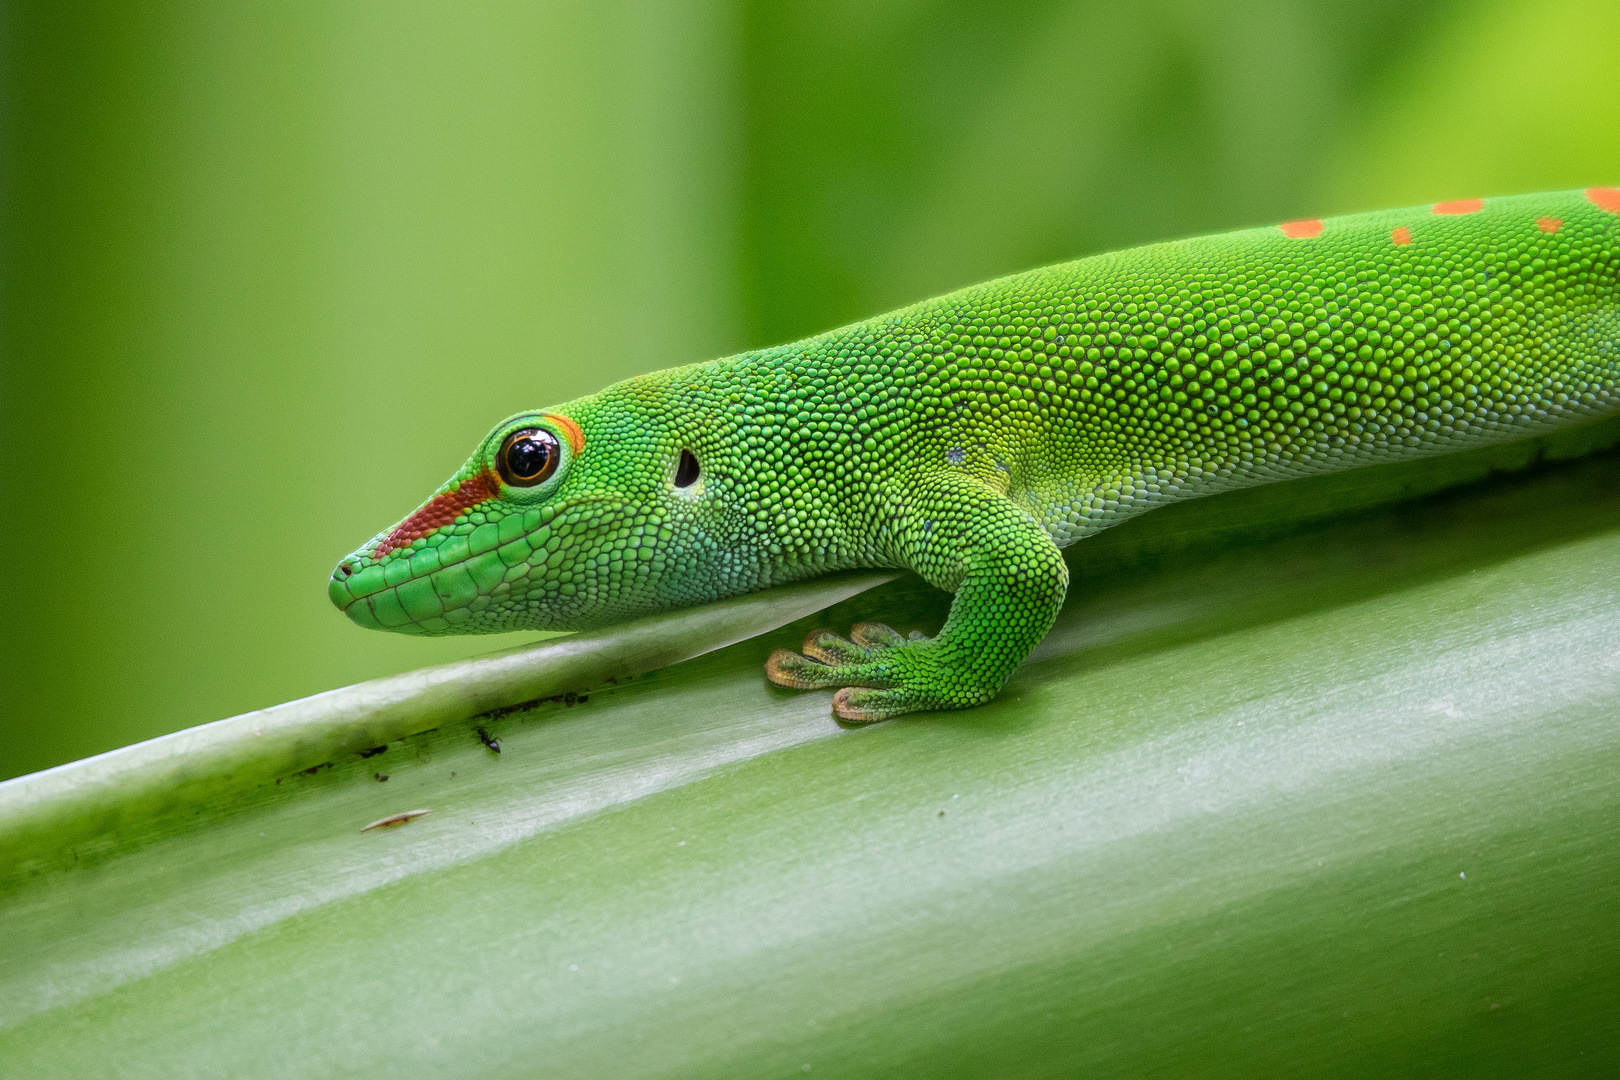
(560, 520)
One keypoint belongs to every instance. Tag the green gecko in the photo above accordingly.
(972, 437)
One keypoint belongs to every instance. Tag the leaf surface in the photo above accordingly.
(1304, 782)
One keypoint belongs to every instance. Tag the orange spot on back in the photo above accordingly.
(1400, 236)
(1459, 206)
(1605, 198)
(576, 437)
(1301, 230)
(1549, 224)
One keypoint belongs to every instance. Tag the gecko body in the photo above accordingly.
(972, 436)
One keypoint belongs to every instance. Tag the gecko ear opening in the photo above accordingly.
(686, 473)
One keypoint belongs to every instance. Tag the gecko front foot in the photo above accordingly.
(1009, 579)
(880, 673)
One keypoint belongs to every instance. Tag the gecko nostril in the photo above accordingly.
(344, 571)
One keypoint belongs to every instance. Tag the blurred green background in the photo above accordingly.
(270, 271)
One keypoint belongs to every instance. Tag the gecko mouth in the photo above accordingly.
(406, 598)
(427, 590)
(458, 584)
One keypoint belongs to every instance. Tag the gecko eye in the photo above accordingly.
(528, 457)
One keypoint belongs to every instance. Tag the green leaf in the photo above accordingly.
(1303, 782)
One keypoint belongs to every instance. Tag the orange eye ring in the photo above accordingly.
(528, 457)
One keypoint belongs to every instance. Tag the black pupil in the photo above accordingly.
(527, 457)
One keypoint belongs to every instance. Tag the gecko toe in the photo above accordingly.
(787, 668)
(829, 648)
(860, 705)
(876, 635)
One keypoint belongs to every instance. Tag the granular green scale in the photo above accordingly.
(972, 436)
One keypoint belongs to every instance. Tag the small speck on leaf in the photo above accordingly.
(396, 819)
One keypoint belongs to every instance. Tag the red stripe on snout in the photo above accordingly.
(440, 511)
